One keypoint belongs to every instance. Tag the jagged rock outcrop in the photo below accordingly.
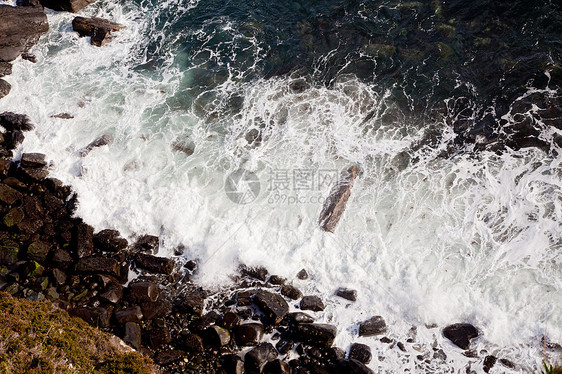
(99, 29)
(20, 28)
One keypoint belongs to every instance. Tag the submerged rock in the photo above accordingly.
(335, 203)
(99, 29)
(99, 142)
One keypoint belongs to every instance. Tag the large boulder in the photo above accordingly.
(460, 334)
(335, 203)
(20, 28)
(98, 28)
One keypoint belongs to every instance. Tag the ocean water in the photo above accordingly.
(452, 112)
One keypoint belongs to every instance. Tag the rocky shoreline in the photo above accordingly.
(46, 253)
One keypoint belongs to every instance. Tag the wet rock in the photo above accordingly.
(147, 243)
(335, 354)
(229, 320)
(132, 334)
(373, 326)
(113, 293)
(63, 116)
(284, 346)
(5, 88)
(489, 363)
(193, 302)
(299, 317)
(217, 336)
(291, 292)
(131, 314)
(5, 69)
(276, 367)
(272, 305)
(256, 358)
(335, 203)
(191, 265)
(165, 358)
(15, 122)
(302, 275)
(248, 334)
(351, 366)
(13, 217)
(255, 272)
(159, 334)
(143, 291)
(84, 234)
(99, 142)
(316, 334)
(232, 364)
(153, 264)
(440, 355)
(99, 29)
(244, 298)
(277, 280)
(38, 251)
(9, 195)
(62, 258)
(508, 364)
(15, 183)
(20, 29)
(360, 352)
(32, 174)
(194, 343)
(313, 303)
(95, 316)
(184, 146)
(58, 276)
(460, 334)
(110, 241)
(347, 294)
(98, 265)
(33, 160)
(158, 309)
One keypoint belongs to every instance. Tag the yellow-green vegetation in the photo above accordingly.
(39, 338)
(551, 369)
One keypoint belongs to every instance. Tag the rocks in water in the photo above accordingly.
(99, 142)
(73, 6)
(460, 334)
(5, 69)
(15, 122)
(62, 116)
(29, 57)
(157, 309)
(147, 243)
(272, 305)
(302, 274)
(20, 29)
(184, 146)
(276, 367)
(347, 294)
(256, 358)
(316, 334)
(159, 265)
(99, 29)
(132, 334)
(351, 366)
(33, 160)
(335, 203)
(291, 292)
(232, 364)
(508, 364)
(313, 303)
(5, 88)
(229, 320)
(360, 352)
(277, 280)
(217, 336)
(258, 272)
(373, 326)
(299, 317)
(194, 343)
(489, 363)
(248, 334)
(110, 241)
(193, 302)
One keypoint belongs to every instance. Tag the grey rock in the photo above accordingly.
(20, 29)
(335, 203)
(373, 326)
(132, 334)
(5, 87)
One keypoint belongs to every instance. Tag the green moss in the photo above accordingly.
(379, 50)
(9, 249)
(36, 269)
(445, 51)
(38, 338)
(482, 42)
(13, 217)
(80, 295)
(409, 5)
(412, 55)
(446, 30)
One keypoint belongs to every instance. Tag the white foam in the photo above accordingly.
(440, 241)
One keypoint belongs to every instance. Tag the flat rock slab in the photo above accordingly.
(460, 334)
(335, 203)
(98, 29)
(20, 29)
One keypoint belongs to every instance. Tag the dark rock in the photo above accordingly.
(299, 317)
(148, 243)
(63, 116)
(73, 6)
(143, 291)
(351, 366)
(13, 139)
(335, 203)
(489, 363)
(20, 29)
(84, 237)
(191, 265)
(29, 57)
(8, 195)
(335, 354)
(232, 364)
(158, 309)
(13, 217)
(217, 336)
(401, 346)
(132, 334)
(302, 275)
(284, 346)
(59, 276)
(277, 280)
(5, 69)
(373, 326)
(256, 358)
(386, 340)
(347, 294)
(508, 364)
(154, 264)
(15, 183)
(460, 334)
(272, 305)
(258, 272)
(98, 265)
(99, 142)
(440, 355)
(312, 303)
(95, 316)
(110, 241)
(276, 367)
(244, 298)
(291, 292)
(38, 251)
(113, 293)
(61, 258)
(165, 358)
(316, 334)
(15, 122)
(33, 174)
(248, 334)
(193, 302)
(99, 29)
(159, 334)
(131, 314)
(33, 160)
(194, 343)
(360, 352)
(229, 320)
